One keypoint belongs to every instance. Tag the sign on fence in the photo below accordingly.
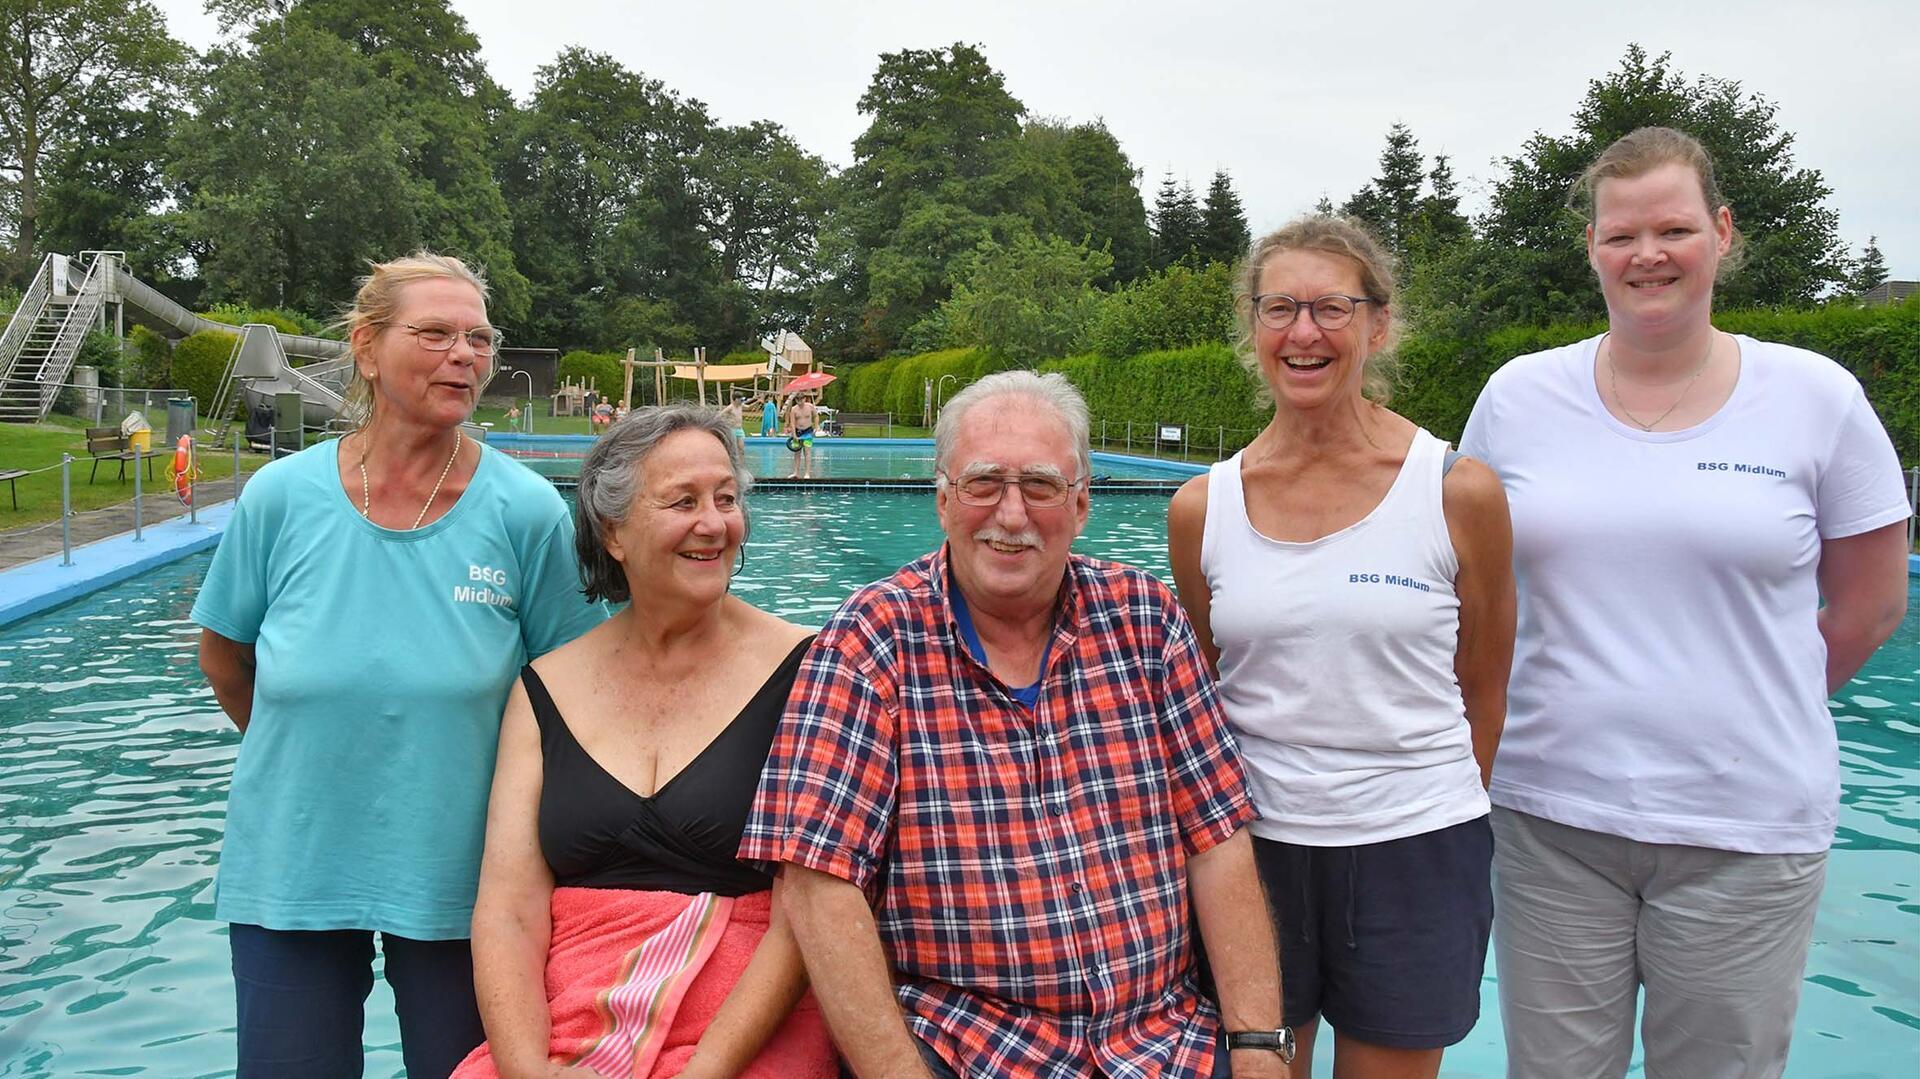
(1173, 432)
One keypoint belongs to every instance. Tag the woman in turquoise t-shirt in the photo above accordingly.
(363, 620)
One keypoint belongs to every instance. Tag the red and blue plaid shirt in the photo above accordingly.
(1027, 867)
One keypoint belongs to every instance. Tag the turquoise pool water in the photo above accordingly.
(836, 460)
(114, 763)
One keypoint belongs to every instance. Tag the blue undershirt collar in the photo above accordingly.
(963, 617)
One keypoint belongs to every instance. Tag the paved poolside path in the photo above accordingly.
(21, 545)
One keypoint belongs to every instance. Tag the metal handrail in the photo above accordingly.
(24, 316)
(73, 330)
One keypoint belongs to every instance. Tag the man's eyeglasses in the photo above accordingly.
(484, 340)
(1277, 310)
(987, 489)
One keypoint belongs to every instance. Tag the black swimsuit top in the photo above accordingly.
(597, 833)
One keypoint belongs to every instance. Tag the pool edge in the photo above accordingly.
(33, 587)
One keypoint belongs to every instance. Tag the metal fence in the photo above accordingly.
(275, 443)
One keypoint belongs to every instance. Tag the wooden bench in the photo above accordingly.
(108, 444)
(844, 420)
(10, 475)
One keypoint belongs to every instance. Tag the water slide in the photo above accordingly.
(261, 367)
(69, 296)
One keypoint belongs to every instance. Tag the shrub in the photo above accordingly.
(1025, 301)
(1175, 308)
(199, 362)
(602, 369)
(148, 359)
(291, 322)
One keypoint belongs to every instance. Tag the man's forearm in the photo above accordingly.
(1238, 933)
(851, 977)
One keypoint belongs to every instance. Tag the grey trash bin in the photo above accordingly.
(181, 419)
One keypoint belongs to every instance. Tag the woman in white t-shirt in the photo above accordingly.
(1668, 784)
(1350, 580)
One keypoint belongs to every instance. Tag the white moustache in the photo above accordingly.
(996, 534)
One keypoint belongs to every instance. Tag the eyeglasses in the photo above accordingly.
(1277, 310)
(1039, 491)
(484, 340)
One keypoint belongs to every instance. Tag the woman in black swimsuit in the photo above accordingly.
(615, 932)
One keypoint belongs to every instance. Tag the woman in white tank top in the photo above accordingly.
(1351, 583)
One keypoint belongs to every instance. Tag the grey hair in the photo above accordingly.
(611, 477)
(1050, 390)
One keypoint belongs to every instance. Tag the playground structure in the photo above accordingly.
(70, 296)
(788, 359)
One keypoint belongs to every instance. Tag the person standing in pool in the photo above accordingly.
(800, 422)
(363, 619)
(1349, 577)
(1668, 784)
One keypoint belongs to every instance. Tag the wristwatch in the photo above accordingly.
(1277, 1041)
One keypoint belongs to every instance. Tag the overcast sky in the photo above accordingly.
(1294, 100)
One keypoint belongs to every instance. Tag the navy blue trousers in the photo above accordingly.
(301, 1001)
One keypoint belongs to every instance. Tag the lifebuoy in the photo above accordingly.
(183, 470)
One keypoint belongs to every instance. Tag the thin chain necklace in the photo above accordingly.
(1613, 381)
(366, 489)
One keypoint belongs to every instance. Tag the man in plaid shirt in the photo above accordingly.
(1001, 775)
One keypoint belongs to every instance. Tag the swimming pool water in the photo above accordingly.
(114, 763)
(838, 460)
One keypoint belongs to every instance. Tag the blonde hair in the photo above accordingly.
(1325, 234)
(375, 302)
(1639, 152)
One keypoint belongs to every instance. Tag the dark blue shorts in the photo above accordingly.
(1387, 940)
(301, 996)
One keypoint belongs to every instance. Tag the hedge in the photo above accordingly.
(1440, 377)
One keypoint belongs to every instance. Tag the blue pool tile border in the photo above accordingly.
(28, 589)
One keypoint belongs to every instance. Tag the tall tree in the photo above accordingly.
(275, 127)
(1388, 203)
(1176, 223)
(939, 169)
(294, 168)
(1106, 187)
(1871, 271)
(612, 217)
(104, 188)
(1437, 223)
(768, 201)
(57, 59)
(1535, 265)
(1224, 236)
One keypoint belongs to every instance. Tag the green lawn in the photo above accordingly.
(35, 446)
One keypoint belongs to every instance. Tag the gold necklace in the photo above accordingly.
(366, 489)
(1613, 381)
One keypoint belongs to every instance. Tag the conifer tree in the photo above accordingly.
(1176, 223)
(1389, 202)
(1871, 271)
(1224, 236)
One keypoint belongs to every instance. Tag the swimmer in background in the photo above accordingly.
(800, 422)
